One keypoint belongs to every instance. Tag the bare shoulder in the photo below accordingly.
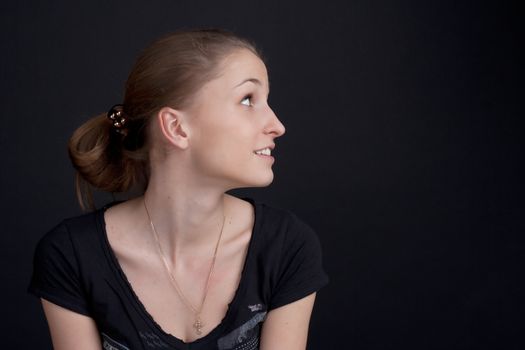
(241, 215)
(124, 228)
(236, 202)
(122, 213)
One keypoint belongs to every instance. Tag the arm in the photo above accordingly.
(287, 326)
(70, 330)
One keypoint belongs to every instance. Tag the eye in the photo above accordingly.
(246, 98)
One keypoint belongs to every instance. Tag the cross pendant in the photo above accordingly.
(198, 326)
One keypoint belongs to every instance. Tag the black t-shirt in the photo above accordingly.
(75, 267)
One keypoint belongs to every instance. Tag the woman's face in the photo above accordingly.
(230, 120)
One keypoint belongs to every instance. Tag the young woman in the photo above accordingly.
(183, 265)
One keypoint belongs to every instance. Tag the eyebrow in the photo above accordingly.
(253, 80)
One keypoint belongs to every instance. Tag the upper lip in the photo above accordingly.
(271, 147)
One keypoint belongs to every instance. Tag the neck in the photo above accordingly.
(187, 220)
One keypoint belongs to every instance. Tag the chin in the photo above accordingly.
(260, 181)
(263, 184)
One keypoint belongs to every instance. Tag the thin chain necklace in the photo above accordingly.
(198, 325)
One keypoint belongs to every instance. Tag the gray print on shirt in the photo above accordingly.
(255, 307)
(246, 337)
(111, 344)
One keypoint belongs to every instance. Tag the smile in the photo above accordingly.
(266, 151)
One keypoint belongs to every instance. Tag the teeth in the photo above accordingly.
(265, 151)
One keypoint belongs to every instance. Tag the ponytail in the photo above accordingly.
(106, 159)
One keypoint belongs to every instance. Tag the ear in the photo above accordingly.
(171, 127)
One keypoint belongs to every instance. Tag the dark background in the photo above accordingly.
(404, 150)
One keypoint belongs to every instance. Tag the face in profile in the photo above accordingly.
(230, 120)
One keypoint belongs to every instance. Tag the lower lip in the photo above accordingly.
(265, 156)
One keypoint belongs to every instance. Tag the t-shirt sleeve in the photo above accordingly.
(56, 275)
(300, 270)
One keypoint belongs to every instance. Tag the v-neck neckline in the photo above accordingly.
(137, 303)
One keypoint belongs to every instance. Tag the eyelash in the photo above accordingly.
(250, 96)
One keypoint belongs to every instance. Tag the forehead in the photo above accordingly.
(241, 65)
(235, 69)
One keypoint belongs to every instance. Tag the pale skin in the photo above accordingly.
(197, 155)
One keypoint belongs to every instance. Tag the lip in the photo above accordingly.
(269, 158)
(271, 147)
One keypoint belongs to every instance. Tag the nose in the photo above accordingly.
(274, 125)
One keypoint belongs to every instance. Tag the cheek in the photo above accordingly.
(229, 148)
(228, 131)
(227, 145)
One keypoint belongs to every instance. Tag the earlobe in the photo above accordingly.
(171, 127)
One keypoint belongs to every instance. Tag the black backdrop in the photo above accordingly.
(403, 150)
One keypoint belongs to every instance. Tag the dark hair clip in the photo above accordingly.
(118, 118)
